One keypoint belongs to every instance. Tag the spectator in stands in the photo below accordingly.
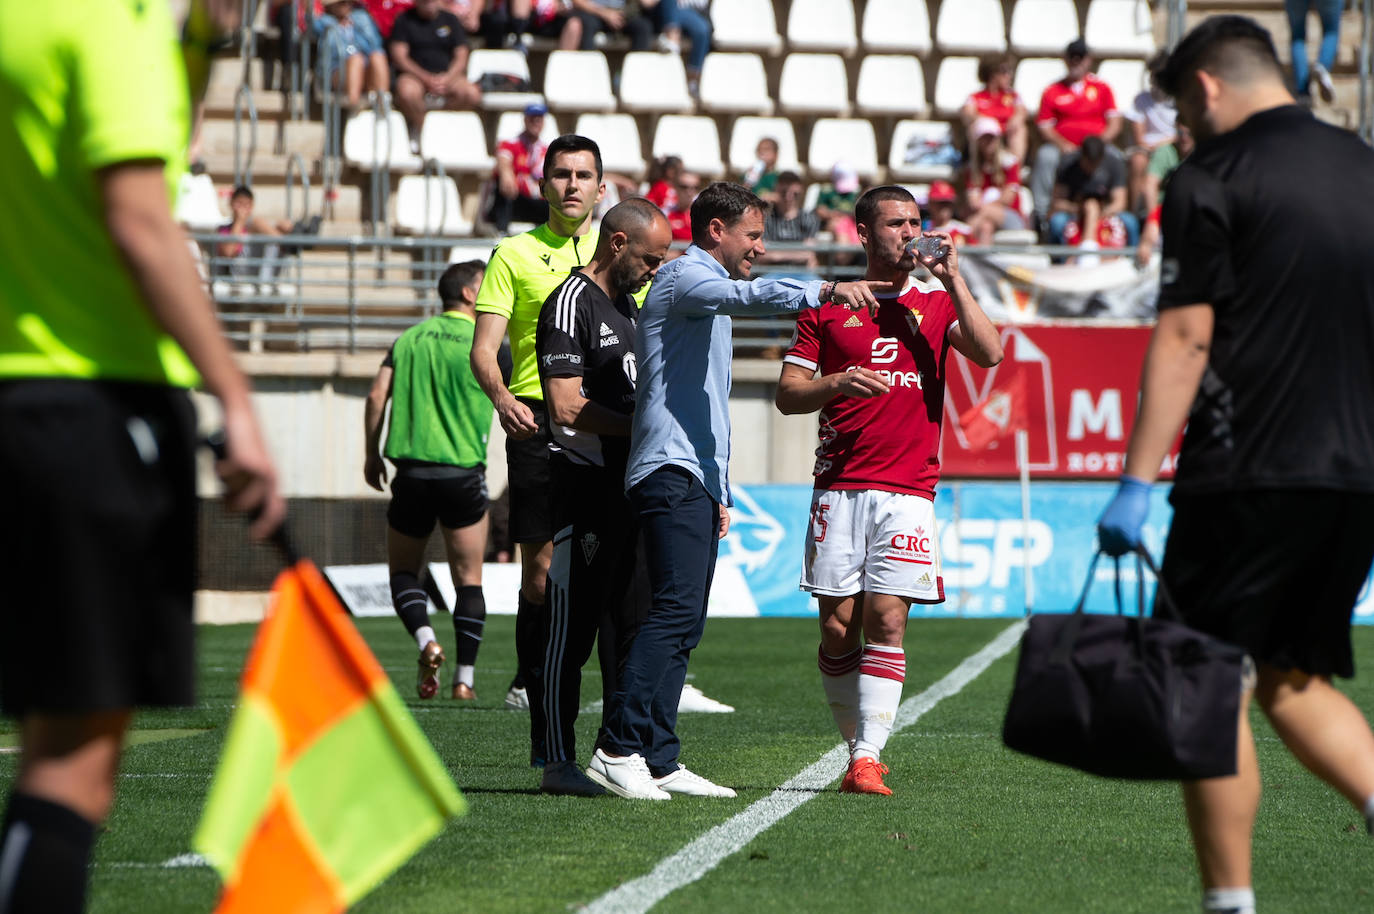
(506, 22)
(940, 207)
(788, 223)
(1152, 116)
(429, 49)
(675, 18)
(244, 261)
(1163, 161)
(352, 51)
(663, 183)
(469, 13)
(614, 17)
(762, 176)
(680, 219)
(384, 13)
(836, 202)
(519, 165)
(1078, 106)
(1329, 12)
(1000, 102)
(992, 183)
(1089, 204)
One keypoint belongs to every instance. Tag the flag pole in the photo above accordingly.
(1023, 464)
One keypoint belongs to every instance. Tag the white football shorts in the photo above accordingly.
(869, 540)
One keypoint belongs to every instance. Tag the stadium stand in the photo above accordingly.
(891, 84)
(695, 140)
(1033, 76)
(506, 62)
(369, 143)
(814, 84)
(956, 81)
(429, 205)
(1119, 28)
(654, 82)
(745, 136)
(1126, 77)
(578, 81)
(512, 122)
(896, 25)
(1041, 27)
(822, 25)
(734, 83)
(457, 140)
(618, 137)
(745, 25)
(914, 151)
(842, 140)
(971, 27)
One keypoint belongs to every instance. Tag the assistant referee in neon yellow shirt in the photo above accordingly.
(103, 326)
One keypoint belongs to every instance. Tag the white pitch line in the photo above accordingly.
(703, 854)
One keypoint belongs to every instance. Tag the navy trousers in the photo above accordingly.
(679, 522)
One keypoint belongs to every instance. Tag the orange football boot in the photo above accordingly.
(865, 775)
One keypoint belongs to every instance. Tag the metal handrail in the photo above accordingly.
(243, 170)
(332, 116)
(1366, 76)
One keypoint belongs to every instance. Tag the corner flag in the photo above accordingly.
(1000, 413)
(326, 784)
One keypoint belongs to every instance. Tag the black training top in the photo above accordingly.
(1271, 224)
(582, 333)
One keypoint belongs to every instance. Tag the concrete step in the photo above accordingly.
(274, 136)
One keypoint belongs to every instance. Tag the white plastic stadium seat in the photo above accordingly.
(836, 139)
(891, 84)
(1033, 76)
(955, 81)
(971, 27)
(457, 139)
(1043, 26)
(429, 206)
(578, 81)
(734, 83)
(814, 84)
(910, 139)
(897, 25)
(198, 204)
(479, 249)
(693, 139)
(367, 142)
(651, 81)
(510, 124)
(1126, 77)
(618, 137)
(744, 25)
(822, 25)
(501, 60)
(745, 136)
(1119, 28)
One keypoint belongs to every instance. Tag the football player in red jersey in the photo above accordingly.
(872, 546)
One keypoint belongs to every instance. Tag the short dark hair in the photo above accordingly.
(1233, 48)
(990, 65)
(724, 201)
(789, 177)
(572, 142)
(866, 210)
(628, 215)
(458, 277)
(1093, 149)
(242, 190)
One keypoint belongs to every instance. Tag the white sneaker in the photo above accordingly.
(517, 699)
(1325, 86)
(690, 784)
(693, 699)
(627, 777)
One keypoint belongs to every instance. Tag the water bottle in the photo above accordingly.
(931, 247)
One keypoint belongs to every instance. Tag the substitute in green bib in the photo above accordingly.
(104, 323)
(440, 423)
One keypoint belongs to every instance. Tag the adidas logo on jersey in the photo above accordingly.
(606, 331)
(608, 337)
(854, 321)
(924, 579)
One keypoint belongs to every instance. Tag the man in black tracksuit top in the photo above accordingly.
(585, 347)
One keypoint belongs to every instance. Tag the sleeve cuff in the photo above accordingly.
(791, 359)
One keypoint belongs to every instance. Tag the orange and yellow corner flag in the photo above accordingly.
(326, 783)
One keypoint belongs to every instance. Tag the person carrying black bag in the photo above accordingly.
(1263, 345)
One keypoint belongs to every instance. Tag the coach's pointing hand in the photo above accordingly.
(856, 295)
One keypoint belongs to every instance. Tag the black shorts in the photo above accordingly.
(1277, 572)
(98, 549)
(421, 494)
(531, 514)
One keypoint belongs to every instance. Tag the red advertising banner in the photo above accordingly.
(1073, 388)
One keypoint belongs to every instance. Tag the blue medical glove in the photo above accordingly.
(1118, 529)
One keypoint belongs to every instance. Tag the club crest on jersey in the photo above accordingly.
(589, 547)
(854, 321)
(914, 318)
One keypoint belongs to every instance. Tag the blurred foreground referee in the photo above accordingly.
(1265, 347)
(103, 326)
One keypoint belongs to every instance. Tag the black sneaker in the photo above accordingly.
(565, 779)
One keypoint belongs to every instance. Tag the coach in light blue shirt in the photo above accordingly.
(678, 473)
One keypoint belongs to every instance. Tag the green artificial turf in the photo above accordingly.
(971, 827)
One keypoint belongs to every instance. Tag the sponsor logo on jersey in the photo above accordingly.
(606, 331)
(589, 547)
(568, 357)
(854, 321)
(547, 258)
(608, 337)
(913, 547)
(885, 351)
(901, 378)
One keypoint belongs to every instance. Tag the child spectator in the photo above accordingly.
(352, 51)
(1152, 116)
(519, 166)
(940, 206)
(835, 205)
(992, 183)
(680, 219)
(429, 48)
(663, 183)
(241, 260)
(762, 176)
(999, 101)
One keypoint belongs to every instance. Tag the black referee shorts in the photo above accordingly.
(421, 494)
(531, 512)
(98, 547)
(1277, 572)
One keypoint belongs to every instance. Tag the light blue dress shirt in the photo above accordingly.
(684, 350)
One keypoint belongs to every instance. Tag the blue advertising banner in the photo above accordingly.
(985, 549)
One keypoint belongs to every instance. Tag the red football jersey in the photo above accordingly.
(891, 442)
(1001, 106)
(1077, 110)
(526, 161)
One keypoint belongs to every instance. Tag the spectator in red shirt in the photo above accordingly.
(663, 186)
(680, 219)
(1076, 107)
(429, 49)
(519, 166)
(1000, 102)
(992, 183)
(384, 13)
(940, 209)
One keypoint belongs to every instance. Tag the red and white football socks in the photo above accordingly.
(840, 677)
(882, 671)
